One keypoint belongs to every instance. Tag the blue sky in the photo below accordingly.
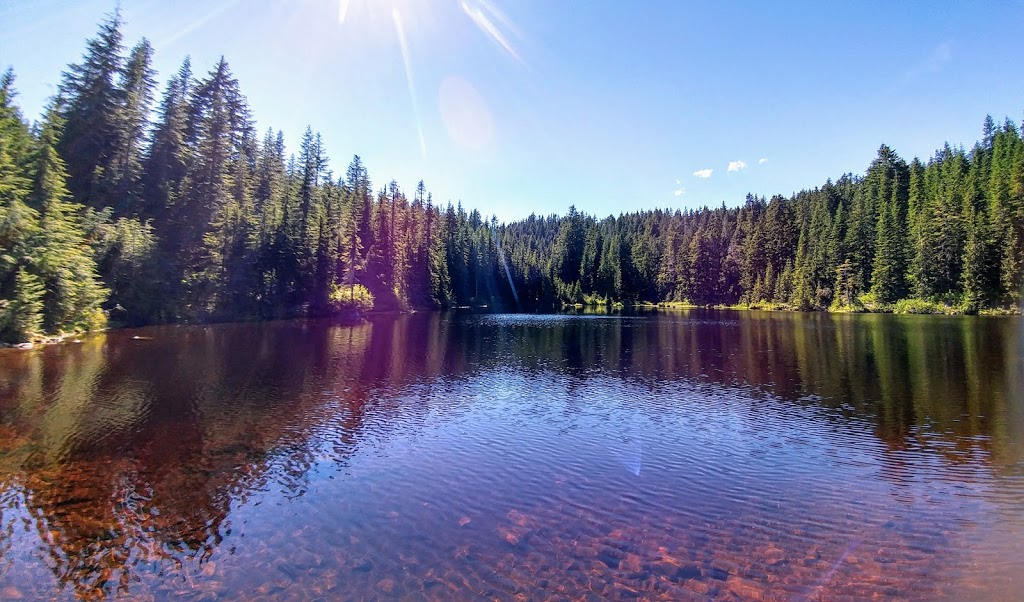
(533, 105)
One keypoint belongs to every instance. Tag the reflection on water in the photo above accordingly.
(671, 456)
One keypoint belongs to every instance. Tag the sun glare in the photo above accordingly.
(488, 18)
(463, 108)
(410, 82)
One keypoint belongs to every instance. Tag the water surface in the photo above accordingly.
(683, 455)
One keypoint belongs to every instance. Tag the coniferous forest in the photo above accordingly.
(126, 206)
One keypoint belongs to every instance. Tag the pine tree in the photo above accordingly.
(21, 312)
(976, 263)
(1006, 210)
(168, 158)
(889, 268)
(203, 219)
(136, 87)
(355, 224)
(91, 108)
(14, 132)
(440, 279)
(20, 290)
(64, 262)
(568, 251)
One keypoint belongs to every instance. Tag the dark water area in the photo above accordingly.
(670, 456)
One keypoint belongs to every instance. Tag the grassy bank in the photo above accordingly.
(864, 304)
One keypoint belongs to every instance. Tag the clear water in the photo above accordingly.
(680, 455)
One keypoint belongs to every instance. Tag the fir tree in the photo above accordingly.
(92, 110)
(64, 261)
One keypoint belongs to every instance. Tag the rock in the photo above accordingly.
(745, 588)
(509, 536)
(611, 556)
(632, 563)
(386, 585)
(12, 593)
(688, 571)
(288, 571)
(517, 517)
(774, 555)
(514, 538)
(623, 592)
(717, 573)
(363, 567)
(465, 520)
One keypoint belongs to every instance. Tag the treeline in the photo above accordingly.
(193, 216)
(941, 236)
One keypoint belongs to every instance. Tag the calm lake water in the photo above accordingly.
(683, 455)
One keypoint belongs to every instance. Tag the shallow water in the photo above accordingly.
(682, 455)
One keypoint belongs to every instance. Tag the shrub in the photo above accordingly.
(95, 319)
(870, 302)
(924, 306)
(351, 297)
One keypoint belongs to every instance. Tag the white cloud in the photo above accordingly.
(703, 173)
(736, 166)
(762, 160)
(679, 191)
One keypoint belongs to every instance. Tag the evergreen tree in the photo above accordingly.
(168, 158)
(136, 89)
(203, 221)
(889, 269)
(63, 260)
(14, 131)
(21, 311)
(92, 111)
(975, 285)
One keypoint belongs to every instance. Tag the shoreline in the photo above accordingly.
(355, 318)
(930, 309)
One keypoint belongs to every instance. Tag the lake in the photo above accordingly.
(458, 456)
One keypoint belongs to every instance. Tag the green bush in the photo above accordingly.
(838, 307)
(924, 306)
(915, 306)
(870, 302)
(95, 319)
(351, 297)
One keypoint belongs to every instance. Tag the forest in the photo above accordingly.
(118, 207)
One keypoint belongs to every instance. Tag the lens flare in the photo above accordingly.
(463, 110)
(410, 82)
(465, 113)
(483, 16)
